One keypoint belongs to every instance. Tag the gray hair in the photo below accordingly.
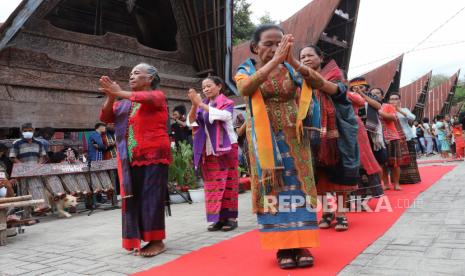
(153, 72)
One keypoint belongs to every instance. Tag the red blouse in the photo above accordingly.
(147, 134)
(390, 130)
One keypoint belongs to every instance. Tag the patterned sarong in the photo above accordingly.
(144, 212)
(290, 227)
(409, 174)
(221, 184)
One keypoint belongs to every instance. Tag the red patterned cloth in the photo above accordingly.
(328, 153)
(328, 150)
(389, 127)
(398, 152)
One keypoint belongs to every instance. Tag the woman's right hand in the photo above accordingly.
(282, 52)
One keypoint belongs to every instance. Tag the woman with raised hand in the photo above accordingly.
(409, 174)
(215, 152)
(397, 149)
(283, 186)
(337, 156)
(143, 155)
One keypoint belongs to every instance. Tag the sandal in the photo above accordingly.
(303, 257)
(229, 225)
(216, 226)
(326, 220)
(286, 258)
(341, 224)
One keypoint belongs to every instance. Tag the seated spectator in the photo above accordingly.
(95, 146)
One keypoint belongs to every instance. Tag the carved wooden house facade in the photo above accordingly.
(52, 53)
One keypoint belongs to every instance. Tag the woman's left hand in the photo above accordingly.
(194, 97)
(108, 86)
(294, 62)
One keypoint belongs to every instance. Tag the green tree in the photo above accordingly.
(266, 19)
(243, 26)
(459, 95)
(436, 80)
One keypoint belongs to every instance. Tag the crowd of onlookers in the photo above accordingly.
(443, 136)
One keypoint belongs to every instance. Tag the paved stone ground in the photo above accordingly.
(427, 240)
(91, 245)
(424, 241)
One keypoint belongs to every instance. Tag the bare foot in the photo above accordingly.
(153, 248)
(397, 187)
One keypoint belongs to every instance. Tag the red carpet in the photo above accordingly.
(242, 255)
(422, 162)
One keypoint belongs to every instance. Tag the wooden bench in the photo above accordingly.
(13, 202)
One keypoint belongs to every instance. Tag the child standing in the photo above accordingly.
(459, 140)
(441, 132)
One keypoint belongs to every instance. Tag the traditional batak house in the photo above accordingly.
(52, 53)
(413, 95)
(330, 24)
(455, 109)
(440, 98)
(386, 76)
(446, 108)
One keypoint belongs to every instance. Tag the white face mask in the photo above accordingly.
(28, 134)
(2, 192)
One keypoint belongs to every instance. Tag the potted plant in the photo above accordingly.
(181, 174)
(196, 192)
(244, 180)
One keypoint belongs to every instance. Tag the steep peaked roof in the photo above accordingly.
(309, 23)
(16, 20)
(386, 76)
(437, 97)
(455, 109)
(330, 24)
(448, 103)
(411, 92)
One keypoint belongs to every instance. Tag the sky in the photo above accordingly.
(385, 29)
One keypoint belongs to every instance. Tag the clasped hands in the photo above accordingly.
(109, 87)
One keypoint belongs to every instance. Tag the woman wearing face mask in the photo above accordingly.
(215, 151)
(143, 147)
(337, 153)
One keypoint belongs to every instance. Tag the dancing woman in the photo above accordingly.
(215, 151)
(397, 150)
(409, 174)
(143, 154)
(336, 152)
(281, 167)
